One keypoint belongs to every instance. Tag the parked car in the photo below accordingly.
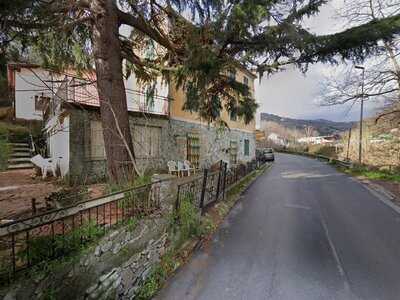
(265, 154)
(269, 154)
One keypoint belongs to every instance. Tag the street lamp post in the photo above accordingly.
(361, 114)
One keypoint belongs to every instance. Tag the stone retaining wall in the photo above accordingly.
(111, 269)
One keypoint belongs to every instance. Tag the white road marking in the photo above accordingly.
(298, 206)
(335, 254)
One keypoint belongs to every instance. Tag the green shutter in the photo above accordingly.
(246, 147)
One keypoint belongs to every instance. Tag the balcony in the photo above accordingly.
(84, 92)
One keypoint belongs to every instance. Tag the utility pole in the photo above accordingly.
(361, 114)
(348, 145)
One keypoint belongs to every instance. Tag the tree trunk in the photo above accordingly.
(111, 89)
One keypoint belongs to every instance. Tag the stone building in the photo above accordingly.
(161, 130)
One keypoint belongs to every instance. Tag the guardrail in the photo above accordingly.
(346, 164)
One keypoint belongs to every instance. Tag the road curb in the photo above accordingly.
(381, 194)
(200, 241)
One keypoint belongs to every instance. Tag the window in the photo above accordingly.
(149, 95)
(193, 149)
(97, 150)
(147, 141)
(246, 147)
(246, 80)
(233, 152)
(233, 115)
(41, 102)
(232, 75)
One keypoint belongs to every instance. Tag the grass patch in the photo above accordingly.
(190, 225)
(244, 182)
(6, 113)
(131, 224)
(324, 150)
(5, 152)
(186, 222)
(13, 131)
(136, 182)
(45, 248)
(158, 276)
(372, 174)
(49, 254)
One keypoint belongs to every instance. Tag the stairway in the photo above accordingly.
(20, 157)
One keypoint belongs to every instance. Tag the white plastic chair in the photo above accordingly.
(181, 168)
(45, 165)
(172, 167)
(188, 167)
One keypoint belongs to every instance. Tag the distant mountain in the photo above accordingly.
(324, 127)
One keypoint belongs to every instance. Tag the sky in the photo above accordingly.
(291, 93)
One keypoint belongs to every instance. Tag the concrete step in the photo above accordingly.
(19, 145)
(19, 160)
(21, 149)
(20, 166)
(21, 154)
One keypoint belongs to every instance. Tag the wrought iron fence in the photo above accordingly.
(36, 240)
(32, 241)
(204, 190)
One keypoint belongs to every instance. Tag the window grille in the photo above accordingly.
(233, 152)
(193, 149)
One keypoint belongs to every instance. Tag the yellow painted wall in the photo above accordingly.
(178, 99)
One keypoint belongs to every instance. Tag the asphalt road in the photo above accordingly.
(301, 231)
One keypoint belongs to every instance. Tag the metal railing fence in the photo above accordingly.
(31, 241)
(211, 186)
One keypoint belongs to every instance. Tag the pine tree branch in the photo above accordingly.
(145, 28)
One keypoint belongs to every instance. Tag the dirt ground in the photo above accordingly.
(392, 187)
(19, 187)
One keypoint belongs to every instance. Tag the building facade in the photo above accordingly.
(29, 86)
(161, 129)
(203, 144)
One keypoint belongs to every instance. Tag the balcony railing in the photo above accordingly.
(84, 92)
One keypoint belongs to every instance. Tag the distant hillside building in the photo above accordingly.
(318, 140)
(277, 140)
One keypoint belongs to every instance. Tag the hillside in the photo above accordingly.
(324, 127)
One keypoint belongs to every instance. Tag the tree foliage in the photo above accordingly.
(200, 41)
(382, 71)
(193, 44)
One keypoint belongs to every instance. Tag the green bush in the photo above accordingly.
(188, 218)
(45, 248)
(374, 174)
(6, 113)
(157, 277)
(5, 151)
(324, 150)
(138, 181)
(13, 132)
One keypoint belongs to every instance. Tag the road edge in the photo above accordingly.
(194, 244)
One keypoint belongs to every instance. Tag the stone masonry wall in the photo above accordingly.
(114, 268)
(86, 169)
(214, 144)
